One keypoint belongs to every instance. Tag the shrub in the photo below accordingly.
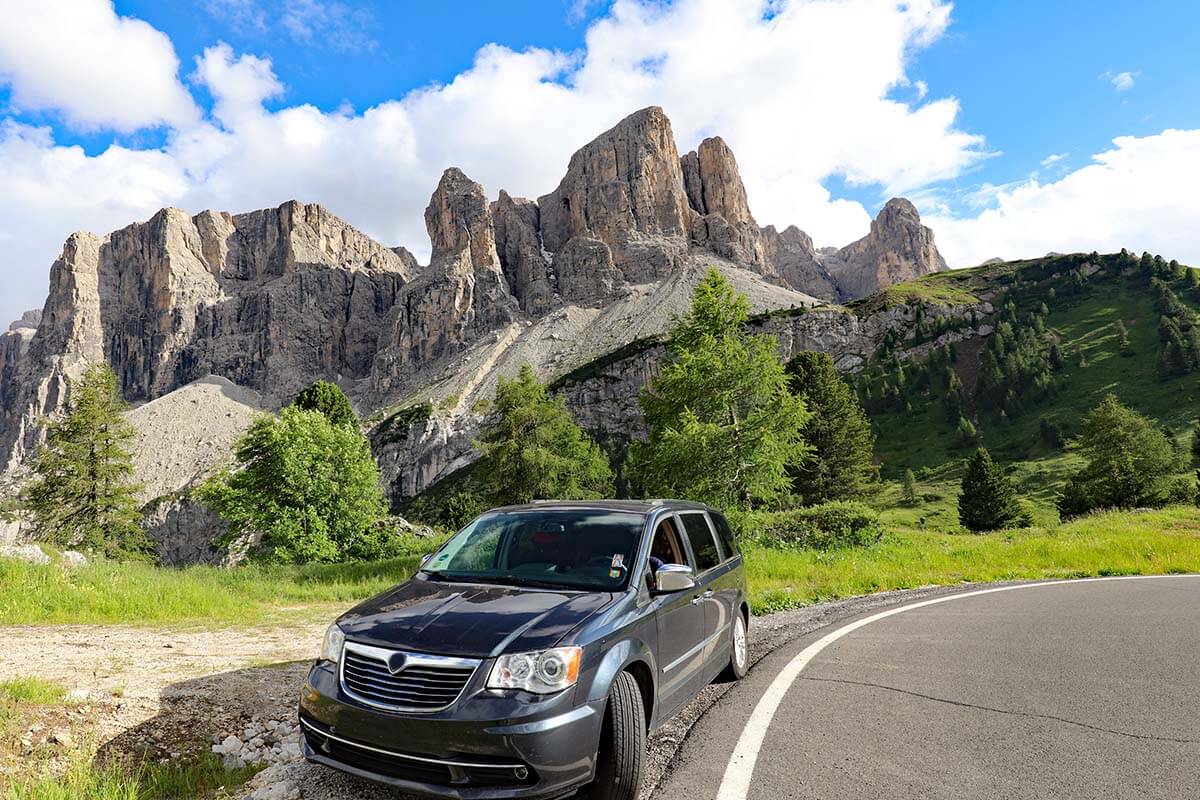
(821, 527)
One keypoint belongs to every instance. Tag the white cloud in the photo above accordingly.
(333, 23)
(99, 70)
(800, 91)
(1053, 159)
(1120, 80)
(1140, 195)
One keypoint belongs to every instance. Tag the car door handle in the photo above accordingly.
(700, 597)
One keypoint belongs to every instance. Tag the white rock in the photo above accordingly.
(74, 558)
(24, 552)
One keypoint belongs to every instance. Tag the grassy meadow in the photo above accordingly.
(1112, 543)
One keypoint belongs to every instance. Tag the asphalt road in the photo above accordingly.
(1069, 690)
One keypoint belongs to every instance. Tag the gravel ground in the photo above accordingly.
(183, 434)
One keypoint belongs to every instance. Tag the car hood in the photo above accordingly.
(463, 619)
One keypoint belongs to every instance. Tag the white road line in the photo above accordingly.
(740, 770)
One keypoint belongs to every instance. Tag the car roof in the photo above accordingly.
(634, 506)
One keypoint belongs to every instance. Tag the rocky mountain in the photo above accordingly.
(898, 248)
(273, 299)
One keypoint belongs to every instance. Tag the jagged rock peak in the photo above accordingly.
(624, 190)
(714, 186)
(30, 319)
(898, 248)
(459, 220)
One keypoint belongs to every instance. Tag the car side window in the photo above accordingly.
(725, 532)
(704, 546)
(666, 547)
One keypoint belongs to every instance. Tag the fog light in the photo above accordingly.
(521, 773)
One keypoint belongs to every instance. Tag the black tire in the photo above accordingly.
(739, 663)
(622, 744)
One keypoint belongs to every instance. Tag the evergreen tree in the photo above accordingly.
(967, 434)
(1131, 463)
(82, 492)
(1123, 344)
(533, 450)
(838, 433)
(724, 428)
(1057, 362)
(307, 487)
(909, 488)
(330, 400)
(1196, 444)
(987, 501)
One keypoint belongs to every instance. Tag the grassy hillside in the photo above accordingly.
(1083, 325)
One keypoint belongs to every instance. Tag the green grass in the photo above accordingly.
(1115, 543)
(174, 780)
(32, 690)
(137, 593)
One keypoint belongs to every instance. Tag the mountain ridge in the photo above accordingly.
(276, 298)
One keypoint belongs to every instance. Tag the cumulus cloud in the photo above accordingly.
(1140, 194)
(78, 58)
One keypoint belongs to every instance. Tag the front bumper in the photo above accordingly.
(488, 745)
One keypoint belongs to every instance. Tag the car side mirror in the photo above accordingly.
(674, 578)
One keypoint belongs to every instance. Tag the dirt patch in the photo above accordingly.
(147, 693)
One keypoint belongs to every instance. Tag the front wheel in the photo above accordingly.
(622, 744)
(739, 650)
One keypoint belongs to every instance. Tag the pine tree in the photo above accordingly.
(330, 400)
(909, 489)
(533, 450)
(1123, 344)
(82, 495)
(1131, 463)
(838, 433)
(724, 427)
(1196, 444)
(967, 434)
(987, 501)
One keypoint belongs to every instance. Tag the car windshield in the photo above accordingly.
(589, 549)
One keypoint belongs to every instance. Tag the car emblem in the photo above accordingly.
(396, 662)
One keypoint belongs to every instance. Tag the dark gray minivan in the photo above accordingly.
(531, 655)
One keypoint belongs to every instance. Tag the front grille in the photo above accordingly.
(471, 771)
(420, 683)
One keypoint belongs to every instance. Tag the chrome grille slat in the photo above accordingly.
(425, 683)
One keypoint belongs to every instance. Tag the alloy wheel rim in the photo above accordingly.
(739, 641)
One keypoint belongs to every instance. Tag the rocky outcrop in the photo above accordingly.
(461, 296)
(623, 191)
(898, 248)
(272, 300)
(717, 195)
(528, 266)
(795, 262)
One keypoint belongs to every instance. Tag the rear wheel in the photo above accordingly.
(739, 650)
(622, 744)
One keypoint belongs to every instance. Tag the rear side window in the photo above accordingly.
(725, 532)
(704, 546)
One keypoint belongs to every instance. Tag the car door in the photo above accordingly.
(680, 628)
(707, 554)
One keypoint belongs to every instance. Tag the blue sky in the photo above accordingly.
(989, 115)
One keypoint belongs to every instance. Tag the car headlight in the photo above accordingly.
(331, 646)
(540, 672)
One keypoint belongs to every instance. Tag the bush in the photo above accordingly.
(821, 527)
